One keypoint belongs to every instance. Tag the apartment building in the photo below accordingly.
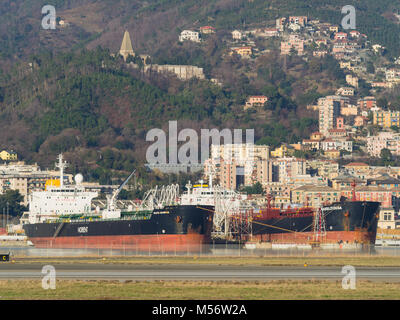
(386, 119)
(383, 140)
(314, 195)
(329, 110)
(289, 167)
(300, 20)
(367, 102)
(352, 80)
(337, 144)
(295, 43)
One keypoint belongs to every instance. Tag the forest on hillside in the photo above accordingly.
(66, 91)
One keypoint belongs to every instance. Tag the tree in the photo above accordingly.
(370, 67)
(14, 199)
(254, 189)
(386, 155)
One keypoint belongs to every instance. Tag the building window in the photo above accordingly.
(387, 216)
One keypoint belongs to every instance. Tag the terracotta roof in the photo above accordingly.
(316, 188)
(357, 164)
(332, 150)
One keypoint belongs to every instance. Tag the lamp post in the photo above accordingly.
(7, 213)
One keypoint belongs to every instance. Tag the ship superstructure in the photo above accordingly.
(59, 200)
(226, 202)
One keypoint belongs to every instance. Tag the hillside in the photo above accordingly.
(154, 24)
(64, 91)
(104, 101)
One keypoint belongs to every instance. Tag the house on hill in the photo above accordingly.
(6, 155)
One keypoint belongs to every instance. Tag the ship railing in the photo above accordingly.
(131, 217)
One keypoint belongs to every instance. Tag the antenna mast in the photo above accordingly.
(61, 165)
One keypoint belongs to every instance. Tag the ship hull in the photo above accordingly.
(346, 223)
(141, 243)
(171, 229)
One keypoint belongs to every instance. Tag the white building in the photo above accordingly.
(237, 35)
(393, 75)
(384, 140)
(290, 167)
(337, 144)
(189, 35)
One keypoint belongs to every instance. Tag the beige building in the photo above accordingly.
(288, 168)
(26, 178)
(8, 155)
(183, 72)
(295, 43)
(386, 218)
(329, 110)
(314, 195)
(244, 52)
(325, 168)
(239, 164)
(239, 152)
(253, 101)
(350, 110)
(25, 183)
(352, 80)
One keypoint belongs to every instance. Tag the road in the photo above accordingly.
(193, 272)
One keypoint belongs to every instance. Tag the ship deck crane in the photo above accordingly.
(111, 199)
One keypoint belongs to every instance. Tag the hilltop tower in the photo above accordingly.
(126, 46)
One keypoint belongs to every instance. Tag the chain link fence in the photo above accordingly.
(214, 249)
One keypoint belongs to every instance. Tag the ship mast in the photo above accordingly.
(210, 172)
(353, 191)
(61, 165)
